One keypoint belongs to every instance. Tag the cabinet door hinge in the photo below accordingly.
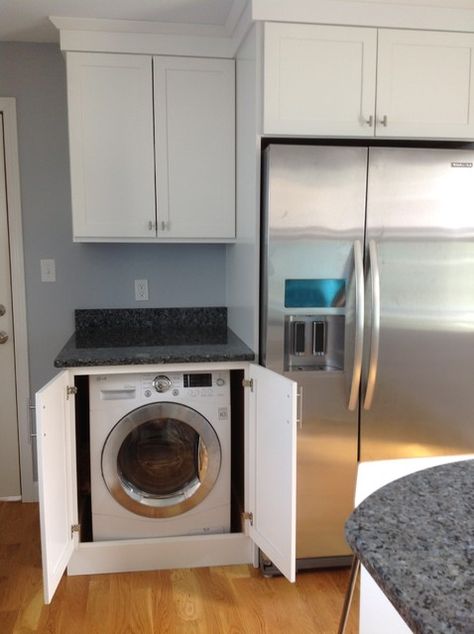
(75, 528)
(247, 516)
(248, 383)
(71, 389)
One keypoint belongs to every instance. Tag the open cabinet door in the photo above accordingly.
(56, 478)
(272, 467)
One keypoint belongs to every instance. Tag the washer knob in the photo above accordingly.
(162, 383)
(220, 382)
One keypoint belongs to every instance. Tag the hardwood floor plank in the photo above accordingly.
(219, 600)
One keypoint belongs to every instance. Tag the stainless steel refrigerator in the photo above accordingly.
(367, 301)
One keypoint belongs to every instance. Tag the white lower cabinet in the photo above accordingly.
(269, 463)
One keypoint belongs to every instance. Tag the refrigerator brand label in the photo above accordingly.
(460, 164)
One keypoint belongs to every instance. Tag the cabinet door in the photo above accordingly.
(110, 103)
(272, 467)
(319, 80)
(195, 147)
(56, 479)
(425, 84)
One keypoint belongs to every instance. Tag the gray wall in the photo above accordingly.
(88, 275)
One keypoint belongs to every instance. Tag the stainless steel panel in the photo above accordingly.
(314, 209)
(420, 213)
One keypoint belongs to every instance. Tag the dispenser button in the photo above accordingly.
(319, 338)
(298, 337)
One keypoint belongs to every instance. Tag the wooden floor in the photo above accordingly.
(228, 600)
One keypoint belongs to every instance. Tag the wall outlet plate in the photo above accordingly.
(141, 290)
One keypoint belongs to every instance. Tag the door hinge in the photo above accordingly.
(247, 516)
(75, 528)
(71, 389)
(248, 383)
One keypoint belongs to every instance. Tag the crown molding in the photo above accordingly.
(424, 14)
(156, 38)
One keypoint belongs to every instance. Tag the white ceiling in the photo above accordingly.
(28, 20)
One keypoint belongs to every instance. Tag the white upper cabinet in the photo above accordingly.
(111, 145)
(195, 147)
(338, 81)
(319, 80)
(123, 125)
(425, 84)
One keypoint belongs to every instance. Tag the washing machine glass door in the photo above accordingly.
(161, 459)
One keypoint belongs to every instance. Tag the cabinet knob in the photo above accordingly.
(3, 310)
(370, 121)
(3, 337)
(384, 120)
(151, 225)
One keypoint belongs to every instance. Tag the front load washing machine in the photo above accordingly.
(160, 454)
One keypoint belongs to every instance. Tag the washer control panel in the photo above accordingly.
(185, 384)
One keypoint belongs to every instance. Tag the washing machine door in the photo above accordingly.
(161, 459)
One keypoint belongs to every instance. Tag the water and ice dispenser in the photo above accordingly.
(314, 333)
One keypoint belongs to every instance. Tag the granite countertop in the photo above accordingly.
(415, 536)
(144, 336)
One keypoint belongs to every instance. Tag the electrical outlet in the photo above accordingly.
(141, 290)
(48, 270)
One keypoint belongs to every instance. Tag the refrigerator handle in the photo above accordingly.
(359, 325)
(375, 331)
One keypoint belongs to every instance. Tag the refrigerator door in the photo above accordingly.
(313, 226)
(417, 387)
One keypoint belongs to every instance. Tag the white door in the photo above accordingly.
(272, 467)
(9, 450)
(319, 80)
(110, 107)
(425, 84)
(195, 147)
(56, 479)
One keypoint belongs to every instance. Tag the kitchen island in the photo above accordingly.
(415, 537)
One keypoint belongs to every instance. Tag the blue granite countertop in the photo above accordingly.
(143, 336)
(415, 536)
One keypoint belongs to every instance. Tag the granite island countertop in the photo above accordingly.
(415, 536)
(149, 336)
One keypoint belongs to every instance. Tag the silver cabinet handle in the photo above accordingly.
(370, 121)
(3, 337)
(359, 325)
(3, 310)
(384, 120)
(299, 397)
(375, 328)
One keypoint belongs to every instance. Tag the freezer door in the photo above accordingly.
(417, 390)
(313, 224)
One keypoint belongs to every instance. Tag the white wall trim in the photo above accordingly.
(8, 108)
(146, 43)
(366, 13)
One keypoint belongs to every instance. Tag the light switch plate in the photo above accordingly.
(48, 270)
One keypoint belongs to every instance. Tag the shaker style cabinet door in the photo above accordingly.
(110, 104)
(425, 84)
(195, 147)
(319, 80)
(271, 448)
(56, 479)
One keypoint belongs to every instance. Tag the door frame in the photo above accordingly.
(29, 488)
